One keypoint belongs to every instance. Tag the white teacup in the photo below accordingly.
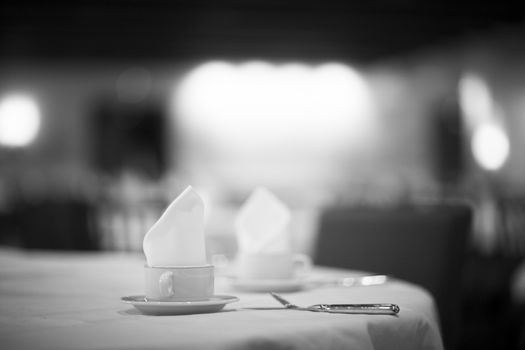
(179, 283)
(272, 266)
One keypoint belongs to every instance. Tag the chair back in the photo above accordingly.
(423, 244)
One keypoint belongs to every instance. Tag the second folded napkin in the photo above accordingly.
(262, 224)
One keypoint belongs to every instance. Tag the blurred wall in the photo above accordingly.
(405, 161)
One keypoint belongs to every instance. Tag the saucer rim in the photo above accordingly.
(257, 281)
(265, 285)
(140, 299)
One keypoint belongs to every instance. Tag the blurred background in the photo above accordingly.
(109, 109)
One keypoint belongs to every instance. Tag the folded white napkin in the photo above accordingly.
(177, 238)
(262, 224)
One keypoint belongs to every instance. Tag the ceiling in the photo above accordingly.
(361, 31)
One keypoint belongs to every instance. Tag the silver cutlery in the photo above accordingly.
(376, 309)
(369, 280)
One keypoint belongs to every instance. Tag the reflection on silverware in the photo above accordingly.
(363, 280)
(371, 280)
(376, 309)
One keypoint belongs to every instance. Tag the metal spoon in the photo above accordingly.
(376, 309)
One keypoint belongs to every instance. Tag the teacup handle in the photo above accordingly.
(302, 264)
(166, 284)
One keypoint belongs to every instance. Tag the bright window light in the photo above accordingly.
(490, 146)
(259, 105)
(19, 120)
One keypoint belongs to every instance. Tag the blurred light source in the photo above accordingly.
(258, 105)
(475, 99)
(490, 146)
(19, 120)
(489, 143)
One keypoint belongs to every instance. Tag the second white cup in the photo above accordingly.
(272, 266)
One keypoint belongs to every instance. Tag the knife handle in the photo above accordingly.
(381, 309)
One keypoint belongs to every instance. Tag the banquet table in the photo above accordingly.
(66, 300)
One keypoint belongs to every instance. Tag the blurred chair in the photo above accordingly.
(57, 224)
(423, 244)
(512, 210)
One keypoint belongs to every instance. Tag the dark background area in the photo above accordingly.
(362, 31)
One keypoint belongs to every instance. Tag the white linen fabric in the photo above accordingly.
(72, 301)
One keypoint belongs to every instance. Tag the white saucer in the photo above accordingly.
(150, 307)
(270, 285)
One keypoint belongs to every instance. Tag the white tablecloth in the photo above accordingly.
(72, 301)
